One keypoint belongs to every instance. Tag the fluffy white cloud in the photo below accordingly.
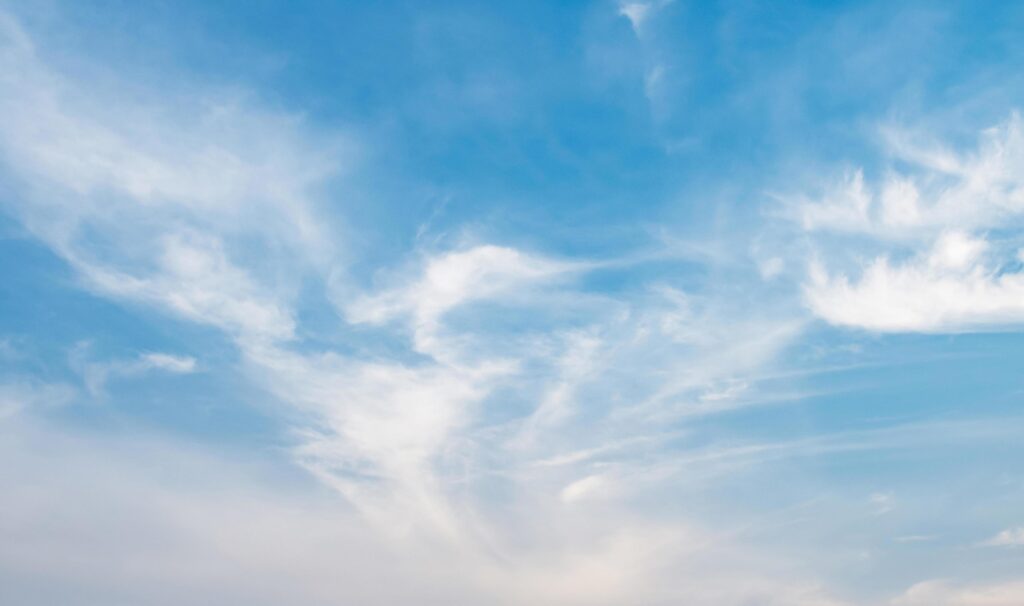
(951, 287)
(940, 269)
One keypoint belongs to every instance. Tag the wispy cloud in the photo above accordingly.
(453, 279)
(97, 373)
(502, 419)
(639, 13)
(403, 438)
(23, 394)
(154, 200)
(1011, 537)
(942, 593)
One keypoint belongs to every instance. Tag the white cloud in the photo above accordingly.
(1011, 537)
(453, 279)
(941, 593)
(951, 287)
(194, 278)
(382, 431)
(574, 366)
(937, 190)
(96, 374)
(640, 13)
(946, 263)
(406, 442)
(168, 362)
(653, 80)
(166, 198)
(217, 159)
(846, 207)
(590, 487)
(637, 13)
(771, 268)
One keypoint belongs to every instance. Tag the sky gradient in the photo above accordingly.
(548, 303)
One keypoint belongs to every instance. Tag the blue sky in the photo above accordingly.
(648, 302)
